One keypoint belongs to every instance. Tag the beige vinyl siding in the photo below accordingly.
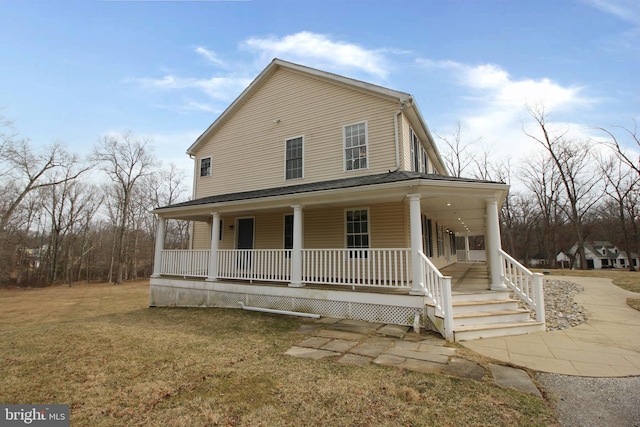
(323, 228)
(201, 235)
(405, 147)
(248, 149)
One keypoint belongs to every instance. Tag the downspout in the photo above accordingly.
(403, 106)
(270, 310)
(193, 196)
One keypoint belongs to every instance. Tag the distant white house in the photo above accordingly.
(599, 254)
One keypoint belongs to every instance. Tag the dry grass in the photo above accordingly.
(634, 303)
(629, 280)
(117, 362)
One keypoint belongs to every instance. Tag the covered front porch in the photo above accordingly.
(359, 248)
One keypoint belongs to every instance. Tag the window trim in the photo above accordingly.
(285, 158)
(419, 154)
(354, 254)
(200, 175)
(366, 145)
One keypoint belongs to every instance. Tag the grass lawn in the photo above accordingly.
(117, 362)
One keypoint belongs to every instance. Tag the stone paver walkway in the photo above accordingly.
(607, 345)
(354, 342)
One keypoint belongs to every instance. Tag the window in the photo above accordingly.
(355, 146)
(293, 158)
(415, 152)
(357, 230)
(205, 166)
(425, 161)
(427, 234)
(221, 230)
(440, 237)
(288, 231)
(419, 157)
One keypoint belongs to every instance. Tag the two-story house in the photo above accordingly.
(599, 254)
(316, 193)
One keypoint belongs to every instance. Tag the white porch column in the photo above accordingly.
(157, 256)
(215, 245)
(466, 247)
(415, 224)
(492, 245)
(296, 251)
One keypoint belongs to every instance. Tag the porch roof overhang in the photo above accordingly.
(457, 203)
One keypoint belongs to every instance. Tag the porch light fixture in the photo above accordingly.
(448, 204)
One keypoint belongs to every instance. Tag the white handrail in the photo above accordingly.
(255, 264)
(390, 268)
(186, 263)
(525, 284)
(438, 289)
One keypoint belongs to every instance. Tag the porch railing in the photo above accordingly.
(255, 264)
(188, 263)
(525, 284)
(389, 268)
(471, 256)
(358, 267)
(438, 291)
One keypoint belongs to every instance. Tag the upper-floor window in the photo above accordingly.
(419, 157)
(205, 166)
(355, 146)
(293, 158)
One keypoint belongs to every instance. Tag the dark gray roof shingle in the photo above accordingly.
(335, 184)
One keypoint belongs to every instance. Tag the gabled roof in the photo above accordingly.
(404, 99)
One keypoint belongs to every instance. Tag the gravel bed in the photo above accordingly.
(561, 311)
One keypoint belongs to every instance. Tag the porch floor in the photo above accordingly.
(468, 277)
(363, 289)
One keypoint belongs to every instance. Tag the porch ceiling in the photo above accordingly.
(459, 205)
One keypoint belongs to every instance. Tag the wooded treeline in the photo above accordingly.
(65, 219)
(572, 192)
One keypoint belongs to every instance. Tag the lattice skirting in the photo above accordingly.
(163, 296)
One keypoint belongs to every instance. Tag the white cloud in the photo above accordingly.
(496, 107)
(320, 51)
(209, 55)
(497, 88)
(223, 88)
(628, 10)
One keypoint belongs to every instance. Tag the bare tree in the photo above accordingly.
(457, 155)
(23, 171)
(572, 161)
(541, 177)
(630, 159)
(125, 159)
(621, 184)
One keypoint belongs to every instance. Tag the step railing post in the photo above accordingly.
(447, 308)
(538, 294)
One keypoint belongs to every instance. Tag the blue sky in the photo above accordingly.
(74, 71)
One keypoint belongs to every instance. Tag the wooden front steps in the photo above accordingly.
(481, 313)
(490, 314)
